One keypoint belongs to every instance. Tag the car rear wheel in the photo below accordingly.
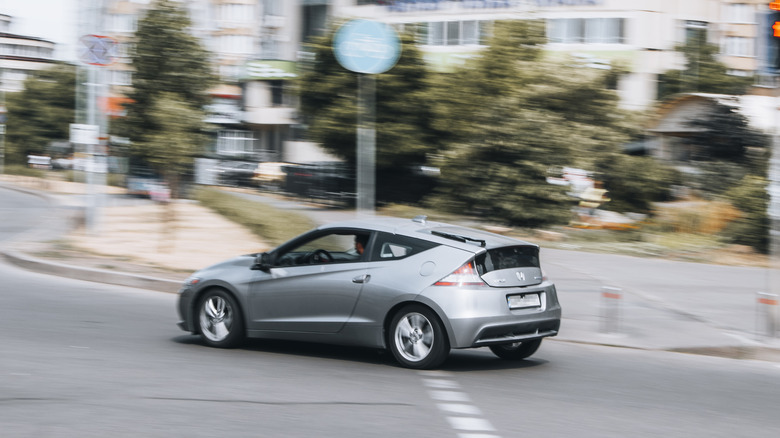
(516, 351)
(219, 319)
(417, 338)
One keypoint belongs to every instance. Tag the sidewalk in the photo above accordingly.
(660, 306)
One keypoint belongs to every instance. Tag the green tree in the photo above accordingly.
(703, 73)
(502, 174)
(752, 228)
(170, 64)
(725, 135)
(510, 118)
(41, 113)
(634, 182)
(404, 135)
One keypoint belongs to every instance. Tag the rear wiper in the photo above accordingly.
(459, 238)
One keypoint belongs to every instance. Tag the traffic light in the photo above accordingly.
(772, 32)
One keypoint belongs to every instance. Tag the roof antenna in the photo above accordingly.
(420, 219)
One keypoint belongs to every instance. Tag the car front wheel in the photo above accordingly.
(417, 338)
(219, 319)
(516, 351)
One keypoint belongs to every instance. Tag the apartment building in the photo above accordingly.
(595, 33)
(256, 45)
(21, 55)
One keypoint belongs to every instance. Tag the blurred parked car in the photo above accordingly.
(236, 173)
(270, 174)
(333, 182)
(415, 287)
(143, 182)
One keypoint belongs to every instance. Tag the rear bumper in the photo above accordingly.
(473, 333)
(508, 334)
(481, 317)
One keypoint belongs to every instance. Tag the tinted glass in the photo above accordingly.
(335, 247)
(508, 258)
(393, 247)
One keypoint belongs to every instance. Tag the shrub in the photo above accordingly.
(752, 227)
(271, 224)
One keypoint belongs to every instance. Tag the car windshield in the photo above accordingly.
(510, 257)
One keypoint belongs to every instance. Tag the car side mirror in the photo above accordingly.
(262, 262)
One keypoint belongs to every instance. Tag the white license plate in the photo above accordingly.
(523, 301)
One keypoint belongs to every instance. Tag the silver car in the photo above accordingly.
(415, 287)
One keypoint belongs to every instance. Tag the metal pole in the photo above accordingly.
(2, 121)
(88, 112)
(773, 209)
(366, 146)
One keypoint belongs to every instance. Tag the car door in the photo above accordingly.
(304, 294)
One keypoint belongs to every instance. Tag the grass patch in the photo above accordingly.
(271, 224)
(18, 169)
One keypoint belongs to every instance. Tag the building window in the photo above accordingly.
(739, 13)
(235, 44)
(695, 32)
(235, 142)
(742, 73)
(236, 13)
(124, 23)
(269, 48)
(451, 33)
(604, 31)
(470, 32)
(273, 7)
(738, 46)
(586, 30)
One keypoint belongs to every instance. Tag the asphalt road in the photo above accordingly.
(81, 359)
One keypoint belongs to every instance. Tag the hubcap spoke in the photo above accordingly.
(221, 330)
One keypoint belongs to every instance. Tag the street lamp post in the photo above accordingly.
(3, 117)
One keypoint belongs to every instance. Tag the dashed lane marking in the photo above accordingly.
(465, 418)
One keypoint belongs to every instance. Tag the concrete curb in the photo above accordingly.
(90, 274)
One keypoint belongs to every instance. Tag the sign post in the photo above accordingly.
(368, 48)
(96, 51)
(2, 126)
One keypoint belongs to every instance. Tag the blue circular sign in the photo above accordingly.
(365, 46)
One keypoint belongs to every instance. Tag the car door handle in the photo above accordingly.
(361, 279)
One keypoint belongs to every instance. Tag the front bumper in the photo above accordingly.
(184, 308)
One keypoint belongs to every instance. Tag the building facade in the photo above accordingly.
(256, 45)
(641, 34)
(20, 56)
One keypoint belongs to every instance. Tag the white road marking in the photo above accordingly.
(462, 416)
(476, 435)
(441, 384)
(449, 396)
(470, 423)
(458, 408)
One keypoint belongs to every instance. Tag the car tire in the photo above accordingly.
(219, 319)
(417, 338)
(516, 351)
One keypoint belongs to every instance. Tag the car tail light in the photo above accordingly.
(466, 275)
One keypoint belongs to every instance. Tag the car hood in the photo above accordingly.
(244, 261)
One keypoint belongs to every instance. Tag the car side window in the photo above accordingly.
(394, 247)
(334, 247)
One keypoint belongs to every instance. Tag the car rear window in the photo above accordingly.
(508, 257)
